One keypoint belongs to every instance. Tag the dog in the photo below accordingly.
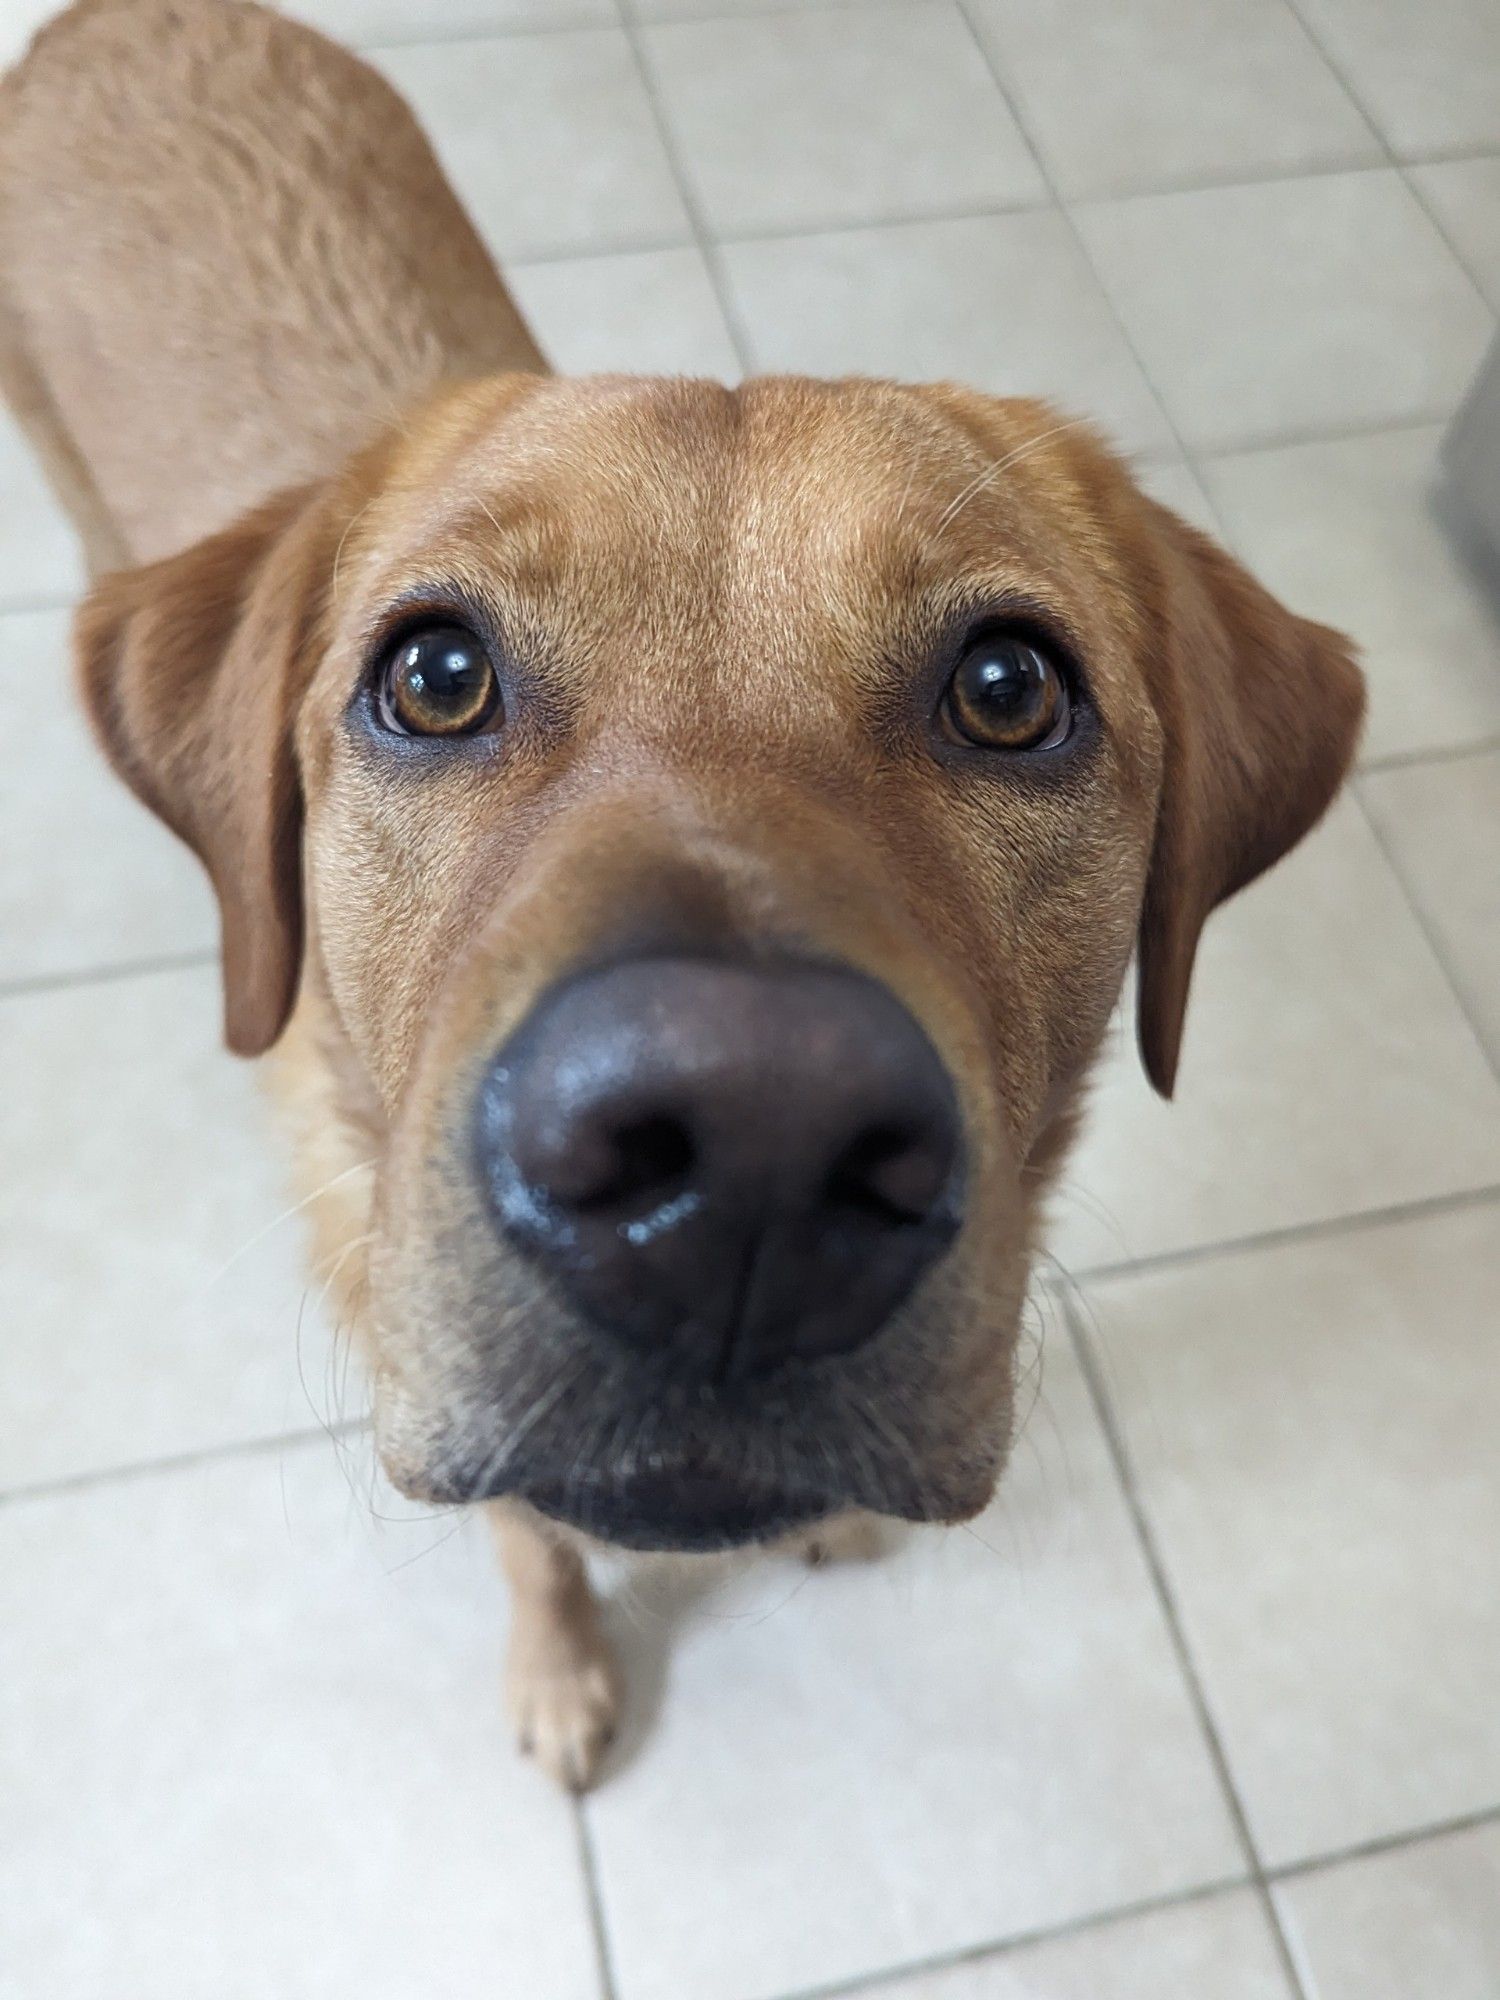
(680, 846)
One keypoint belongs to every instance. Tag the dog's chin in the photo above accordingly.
(687, 1512)
(684, 1501)
(698, 1511)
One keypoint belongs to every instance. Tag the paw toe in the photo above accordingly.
(565, 1718)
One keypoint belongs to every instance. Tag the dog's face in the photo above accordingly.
(725, 821)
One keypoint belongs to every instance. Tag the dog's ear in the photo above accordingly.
(192, 669)
(1260, 714)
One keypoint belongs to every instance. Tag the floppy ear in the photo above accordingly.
(1261, 713)
(192, 669)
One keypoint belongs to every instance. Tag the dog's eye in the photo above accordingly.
(1006, 694)
(438, 681)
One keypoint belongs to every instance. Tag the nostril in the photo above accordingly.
(647, 1157)
(891, 1172)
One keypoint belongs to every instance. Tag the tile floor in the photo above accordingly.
(1208, 1706)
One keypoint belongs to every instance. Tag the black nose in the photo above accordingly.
(739, 1163)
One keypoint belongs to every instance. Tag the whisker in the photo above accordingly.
(359, 1167)
(974, 1536)
(431, 1549)
(335, 1383)
(993, 472)
(350, 526)
(911, 476)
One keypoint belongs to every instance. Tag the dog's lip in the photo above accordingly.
(675, 1510)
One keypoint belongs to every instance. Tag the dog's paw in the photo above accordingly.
(844, 1538)
(565, 1709)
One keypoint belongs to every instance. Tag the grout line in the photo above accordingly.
(1296, 1232)
(1177, 1633)
(32, 607)
(1437, 417)
(1435, 943)
(1003, 1948)
(1458, 155)
(1400, 166)
(1039, 160)
(1385, 1843)
(588, 1861)
(1268, 176)
(1215, 511)
(493, 31)
(1408, 760)
(1213, 454)
(778, 10)
(101, 975)
(1345, 82)
(1450, 243)
(1098, 1920)
(866, 225)
(711, 242)
(708, 249)
(181, 1461)
(570, 253)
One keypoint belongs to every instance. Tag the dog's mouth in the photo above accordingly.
(674, 1509)
(686, 1468)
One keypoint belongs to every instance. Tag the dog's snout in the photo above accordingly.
(735, 1163)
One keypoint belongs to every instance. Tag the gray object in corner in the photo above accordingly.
(1471, 457)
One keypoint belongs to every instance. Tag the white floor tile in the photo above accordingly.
(1327, 1069)
(254, 1740)
(810, 119)
(882, 1762)
(39, 557)
(147, 1313)
(1441, 825)
(1429, 75)
(1006, 303)
(1217, 1949)
(19, 21)
(1313, 1429)
(91, 878)
(548, 139)
(1347, 532)
(651, 312)
(1416, 1923)
(1465, 197)
(1177, 92)
(1290, 307)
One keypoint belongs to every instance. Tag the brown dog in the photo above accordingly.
(685, 842)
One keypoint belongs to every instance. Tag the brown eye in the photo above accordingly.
(1006, 694)
(438, 681)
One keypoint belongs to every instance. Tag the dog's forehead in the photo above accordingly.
(695, 445)
(684, 491)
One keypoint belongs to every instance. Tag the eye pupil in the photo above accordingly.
(1002, 680)
(439, 682)
(1006, 694)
